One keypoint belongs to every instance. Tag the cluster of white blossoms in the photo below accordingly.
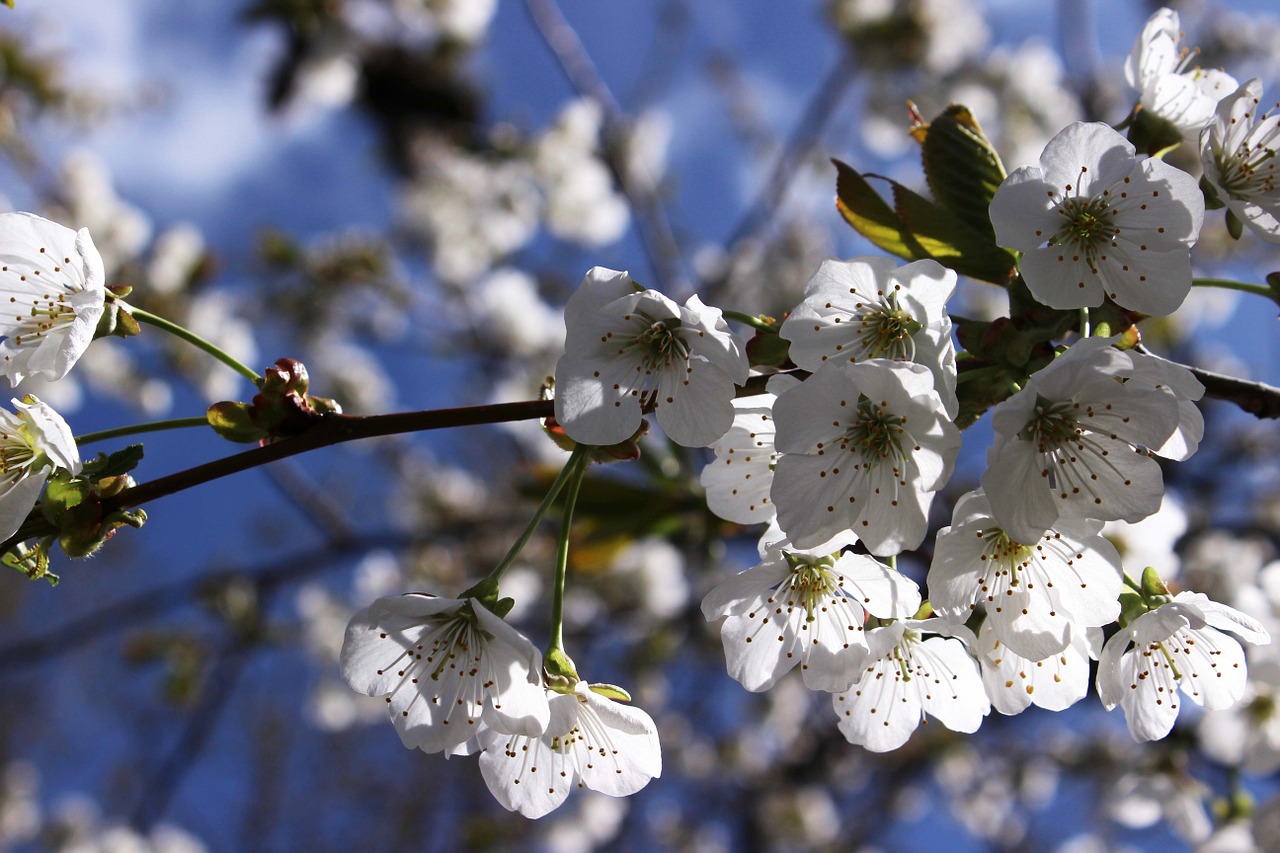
(459, 680)
(842, 458)
(1022, 583)
(54, 282)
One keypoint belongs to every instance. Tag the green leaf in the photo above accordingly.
(62, 493)
(961, 165)
(915, 228)
(949, 241)
(869, 214)
(119, 462)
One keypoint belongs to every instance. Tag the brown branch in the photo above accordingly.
(325, 431)
(1256, 398)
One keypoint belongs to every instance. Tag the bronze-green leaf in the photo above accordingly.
(871, 216)
(961, 165)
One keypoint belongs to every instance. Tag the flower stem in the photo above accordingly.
(1085, 329)
(193, 339)
(490, 583)
(748, 319)
(138, 429)
(562, 554)
(1132, 584)
(1227, 284)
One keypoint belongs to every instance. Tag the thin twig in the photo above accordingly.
(41, 649)
(653, 226)
(808, 128)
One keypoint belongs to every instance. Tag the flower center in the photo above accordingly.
(1249, 170)
(885, 329)
(1005, 557)
(659, 342)
(812, 581)
(1089, 223)
(875, 433)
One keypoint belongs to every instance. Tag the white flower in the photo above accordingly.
(1177, 645)
(445, 665)
(1037, 595)
(34, 442)
(1094, 221)
(806, 607)
(870, 307)
(1155, 68)
(1077, 442)
(1054, 683)
(907, 678)
(738, 480)
(864, 446)
(54, 280)
(1238, 149)
(626, 349)
(591, 742)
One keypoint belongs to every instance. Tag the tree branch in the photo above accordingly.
(1256, 398)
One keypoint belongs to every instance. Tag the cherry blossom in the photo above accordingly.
(1238, 149)
(1076, 443)
(591, 742)
(54, 280)
(1054, 683)
(1037, 595)
(870, 307)
(34, 442)
(910, 676)
(865, 446)
(1093, 221)
(1178, 645)
(446, 666)
(739, 479)
(626, 349)
(1157, 68)
(805, 607)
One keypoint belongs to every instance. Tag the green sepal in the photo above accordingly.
(1273, 281)
(961, 166)
(610, 691)
(1152, 585)
(31, 560)
(1153, 135)
(925, 611)
(1212, 201)
(561, 674)
(116, 322)
(85, 529)
(1235, 227)
(1131, 607)
(233, 421)
(768, 349)
(502, 607)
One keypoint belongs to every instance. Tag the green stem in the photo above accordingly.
(750, 320)
(193, 339)
(562, 556)
(1227, 284)
(1085, 329)
(138, 429)
(1132, 584)
(489, 586)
